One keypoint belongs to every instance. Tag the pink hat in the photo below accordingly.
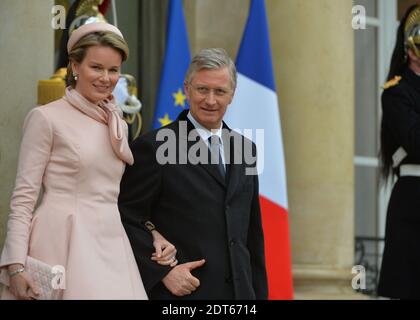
(85, 29)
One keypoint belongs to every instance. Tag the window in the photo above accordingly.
(373, 50)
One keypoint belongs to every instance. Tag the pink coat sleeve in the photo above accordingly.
(34, 155)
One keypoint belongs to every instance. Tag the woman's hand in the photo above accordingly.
(165, 253)
(21, 284)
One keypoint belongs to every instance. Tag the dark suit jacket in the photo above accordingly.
(198, 211)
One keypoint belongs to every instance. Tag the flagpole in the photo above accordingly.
(114, 13)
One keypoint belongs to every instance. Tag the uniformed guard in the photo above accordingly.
(400, 160)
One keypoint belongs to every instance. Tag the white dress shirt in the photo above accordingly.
(205, 134)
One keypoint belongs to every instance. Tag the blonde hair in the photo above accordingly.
(101, 38)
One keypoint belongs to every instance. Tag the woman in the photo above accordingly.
(77, 149)
(400, 155)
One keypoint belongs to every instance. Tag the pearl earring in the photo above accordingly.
(75, 76)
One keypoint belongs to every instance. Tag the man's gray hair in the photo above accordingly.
(212, 58)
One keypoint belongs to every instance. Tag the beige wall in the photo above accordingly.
(215, 23)
(315, 78)
(26, 55)
(313, 50)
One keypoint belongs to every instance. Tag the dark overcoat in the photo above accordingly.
(202, 214)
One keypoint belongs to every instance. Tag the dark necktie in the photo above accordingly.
(215, 156)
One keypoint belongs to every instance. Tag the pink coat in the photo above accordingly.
(77, 224)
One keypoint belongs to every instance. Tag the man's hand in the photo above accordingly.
(179, 281)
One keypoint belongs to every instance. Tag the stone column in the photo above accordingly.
(26, 56)
(313, 50)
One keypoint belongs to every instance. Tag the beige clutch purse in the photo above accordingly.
(43, 276)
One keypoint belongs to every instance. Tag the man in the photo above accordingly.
(208, 209)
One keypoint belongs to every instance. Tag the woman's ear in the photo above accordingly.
(75, 67)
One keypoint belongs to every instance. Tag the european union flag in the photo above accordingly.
(171, 98)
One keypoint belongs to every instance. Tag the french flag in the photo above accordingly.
(255, 106)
